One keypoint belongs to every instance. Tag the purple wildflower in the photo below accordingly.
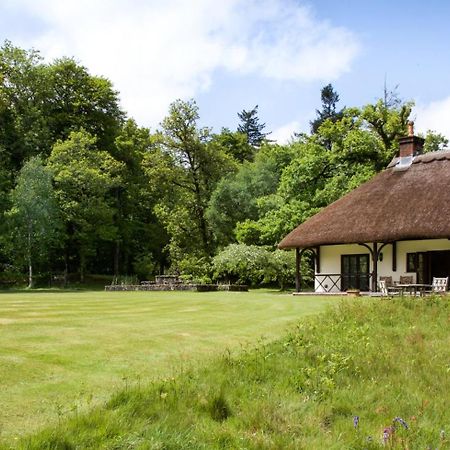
(355, 421)
(401, 422)
(387, 434)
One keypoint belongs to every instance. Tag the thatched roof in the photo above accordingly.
(394, 205)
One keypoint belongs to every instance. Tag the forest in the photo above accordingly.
(85, 190)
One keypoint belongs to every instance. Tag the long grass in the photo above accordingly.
(62, 353)
(368, 374)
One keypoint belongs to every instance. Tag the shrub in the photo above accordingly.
(250, 264)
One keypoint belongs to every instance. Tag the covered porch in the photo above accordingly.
(342, 267)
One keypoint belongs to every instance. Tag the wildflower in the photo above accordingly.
(355, 421)
(387, 432)
(442, 434)
(401, 422)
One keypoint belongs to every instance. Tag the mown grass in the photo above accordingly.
(386, 362)
(62, 353)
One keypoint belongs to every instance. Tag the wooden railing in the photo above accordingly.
(327, 282)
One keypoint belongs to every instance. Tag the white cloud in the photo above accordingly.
(434, 116)
(155, 52)
(284, 134)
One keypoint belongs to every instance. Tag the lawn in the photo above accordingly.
(64, 352)
(366, 375)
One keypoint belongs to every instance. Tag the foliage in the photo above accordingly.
(33, 218)
(329, 98)
(242, 264)
(234, 144)
(195, 269)
(79, 100)
(434, 142)
(388, 119)
(84, 176)
(140, 235)
(139, 200)
(255, 265)
(251, 127)
(236, 197)
(191, 168)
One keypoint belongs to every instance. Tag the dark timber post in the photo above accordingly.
(394, 256)
(297, 270)
(318, 259)
(375, 267)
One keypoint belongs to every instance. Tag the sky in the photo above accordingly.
(231, 55)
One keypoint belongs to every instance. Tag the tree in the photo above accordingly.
(41, 103)
(190, 167)
(316, 176)
(34, 216)
(141, 238)
(23, 93)
(329, 98)
(388, 118)
(235, 198)
(84, 179)
(251, 127)
(234, 144)
(79, 100)
(434, 142)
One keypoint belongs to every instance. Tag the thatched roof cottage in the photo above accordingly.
(397, 224)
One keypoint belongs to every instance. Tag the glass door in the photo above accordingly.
(423, 268)
(355, 272)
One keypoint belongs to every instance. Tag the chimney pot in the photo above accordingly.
(410, 128)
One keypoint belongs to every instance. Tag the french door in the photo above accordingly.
(355, 272)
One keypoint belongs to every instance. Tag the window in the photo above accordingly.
(411, 262)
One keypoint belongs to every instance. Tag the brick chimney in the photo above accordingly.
(410, 145)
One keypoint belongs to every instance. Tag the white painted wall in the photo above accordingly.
(330, 258)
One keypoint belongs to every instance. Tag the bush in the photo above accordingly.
(195, 269)
(250, 264)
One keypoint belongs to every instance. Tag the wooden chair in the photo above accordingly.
(388, 281)
(384, 289)
(439, 285)
(406, 279)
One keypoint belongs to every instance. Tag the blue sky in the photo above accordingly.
(234, 54)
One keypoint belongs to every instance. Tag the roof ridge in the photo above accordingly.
(438, 155)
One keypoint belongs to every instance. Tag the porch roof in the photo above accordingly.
(394, 205)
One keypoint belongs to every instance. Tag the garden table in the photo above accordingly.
(413, 288)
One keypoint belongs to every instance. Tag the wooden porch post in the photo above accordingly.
(297, 270)
(394, 256)
(375, 267)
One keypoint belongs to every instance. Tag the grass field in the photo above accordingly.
(64, 352)
(368, 374)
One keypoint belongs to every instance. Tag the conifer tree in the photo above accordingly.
(251, 127)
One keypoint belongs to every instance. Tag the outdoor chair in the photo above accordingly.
(439, 285)
(388, 281)
(406, 279)
(384, 289)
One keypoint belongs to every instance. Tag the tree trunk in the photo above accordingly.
(30, 274)
(116, 259)
(82, 267)
(30, 266)
(66, 267)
